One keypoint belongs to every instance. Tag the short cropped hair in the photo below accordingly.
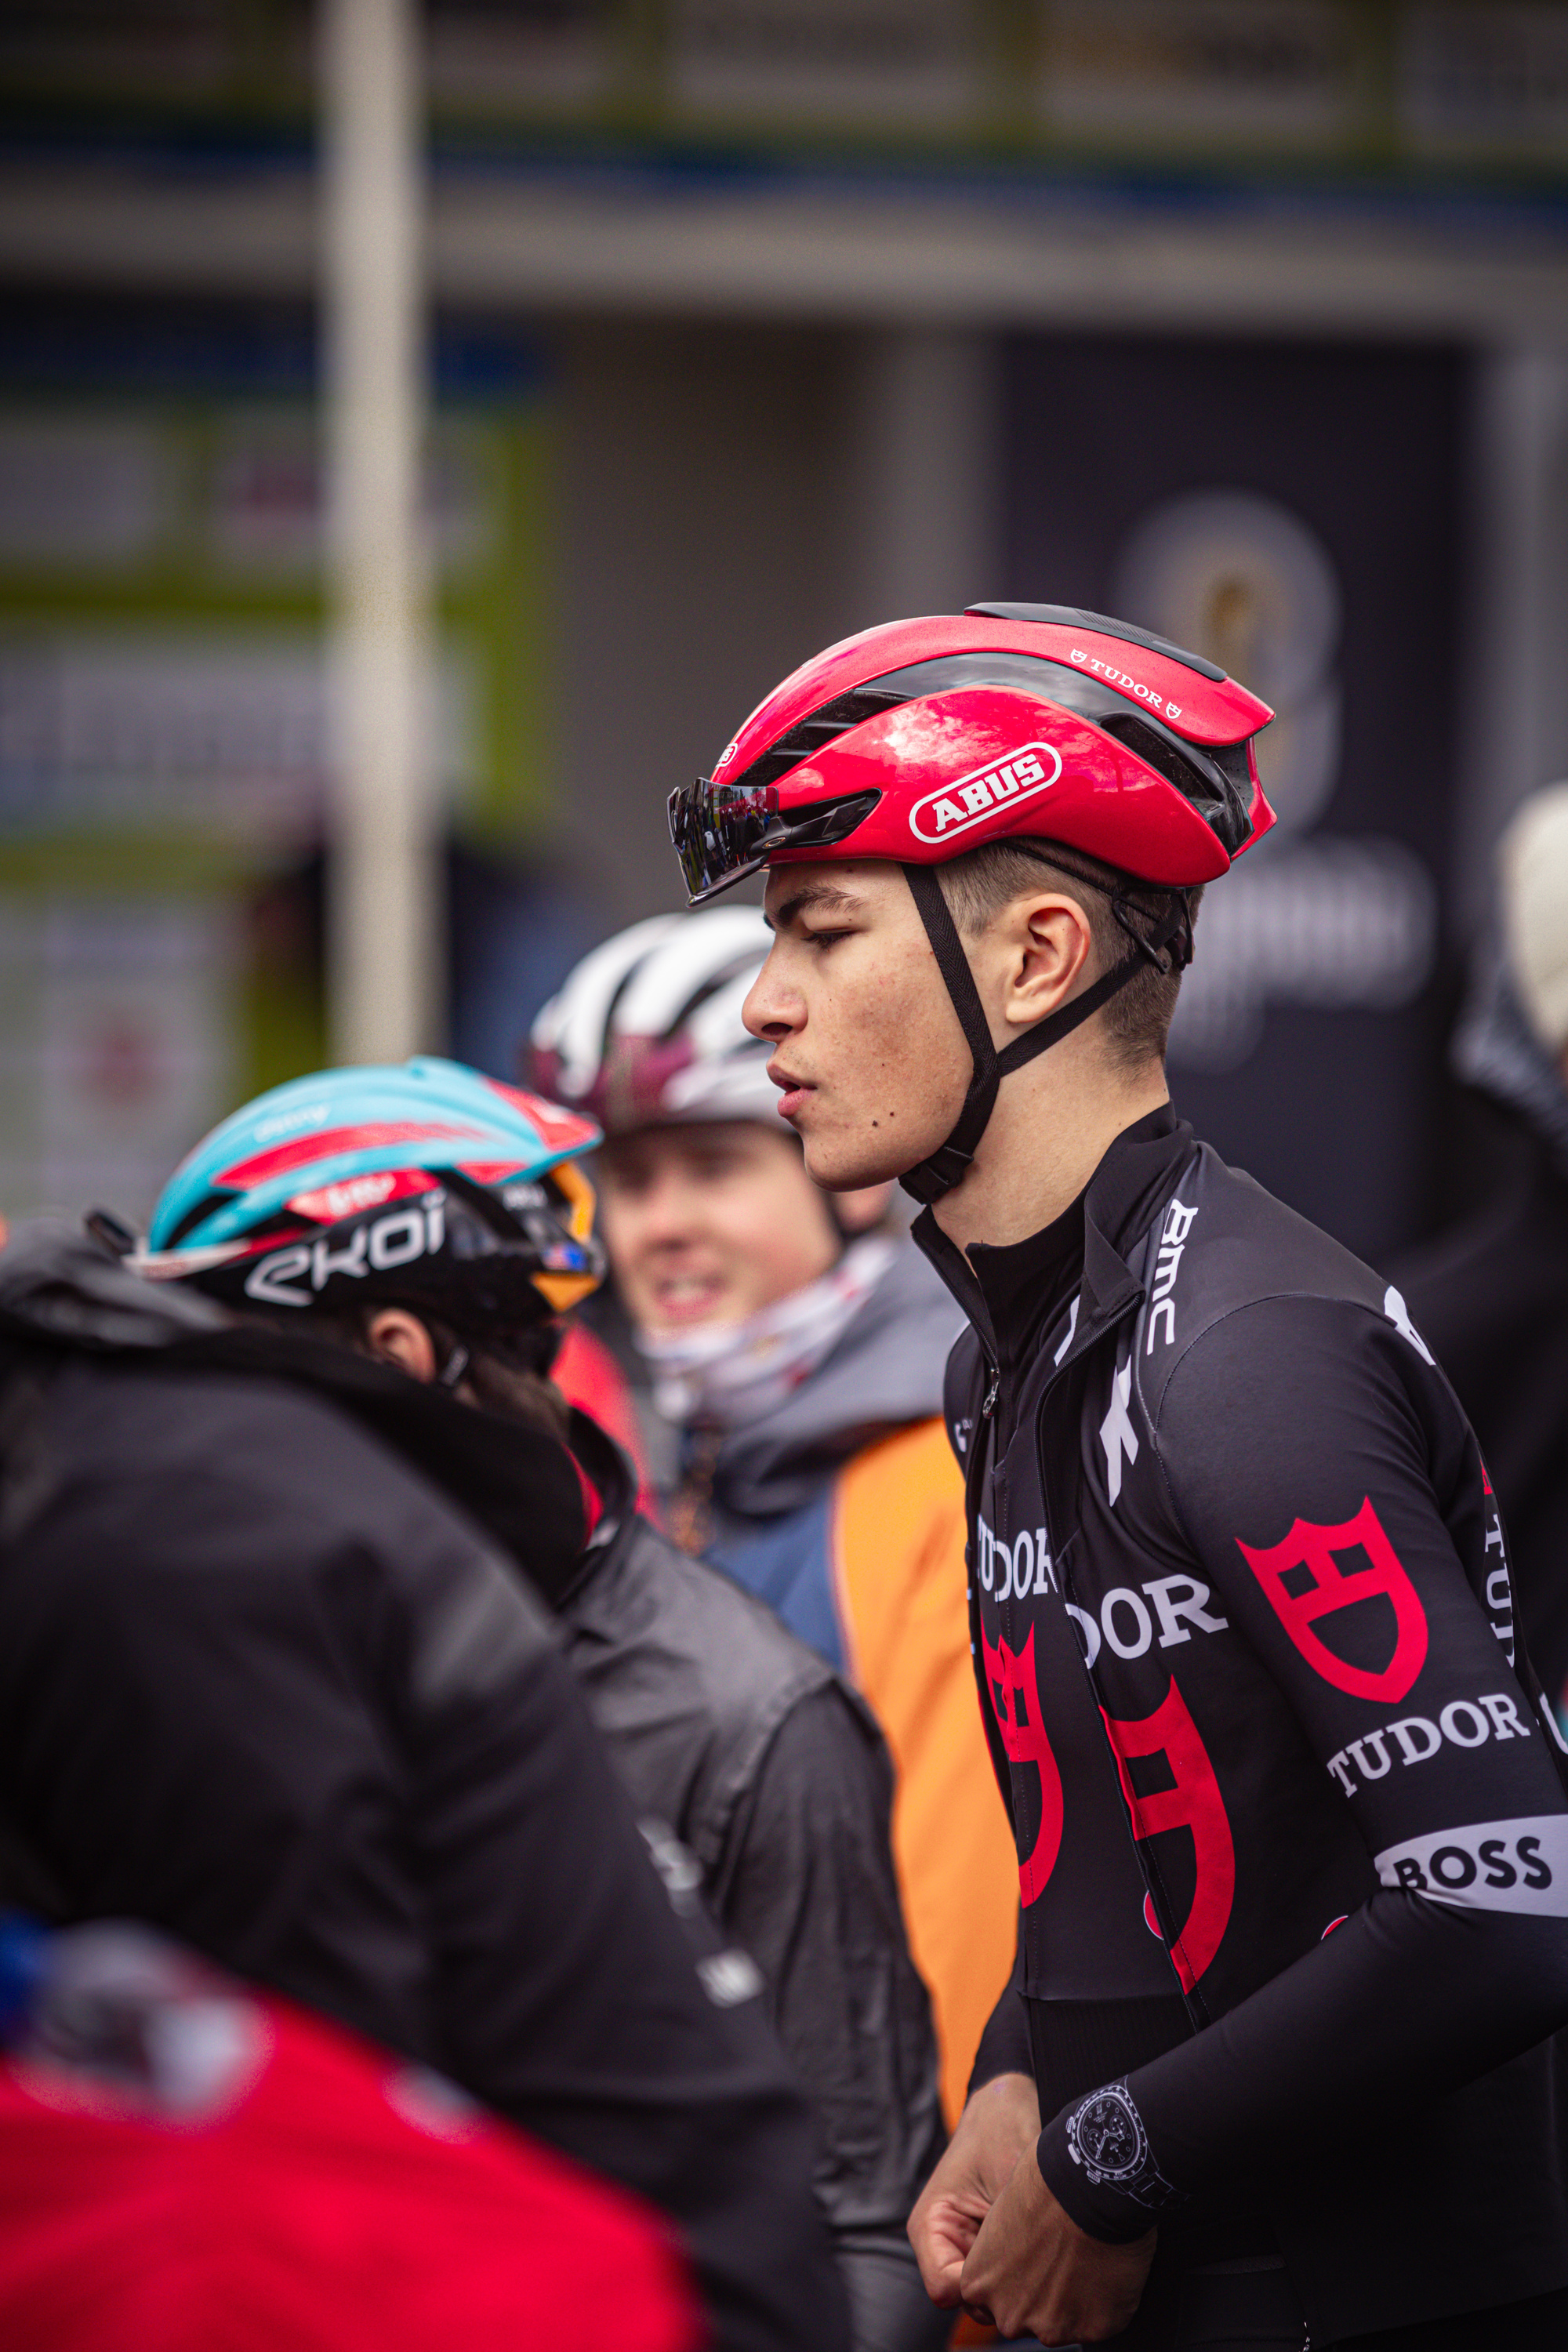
(980, 884)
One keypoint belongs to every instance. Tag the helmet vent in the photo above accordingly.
(193, 1217)
(709, 989)
(1211, 791)
(808, 735)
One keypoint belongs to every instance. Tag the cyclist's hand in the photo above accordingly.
(1035, 2272)
(1001, 2121)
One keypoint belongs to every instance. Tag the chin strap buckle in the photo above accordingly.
(946, 1167)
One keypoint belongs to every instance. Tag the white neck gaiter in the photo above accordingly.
(728, 1375)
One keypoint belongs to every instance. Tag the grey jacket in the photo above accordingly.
(775, 1781)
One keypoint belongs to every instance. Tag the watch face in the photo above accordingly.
(1110, 2134)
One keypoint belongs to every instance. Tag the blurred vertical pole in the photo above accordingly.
(384, 877)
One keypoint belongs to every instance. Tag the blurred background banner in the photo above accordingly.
(164, 712)
(1308, 1029)
(746, 323)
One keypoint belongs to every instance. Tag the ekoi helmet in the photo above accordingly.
(1033, 724)
(427, 1185)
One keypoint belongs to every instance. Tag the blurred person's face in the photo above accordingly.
(710, 1223)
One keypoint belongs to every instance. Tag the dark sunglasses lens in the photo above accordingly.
(716, 829)
(685, 831)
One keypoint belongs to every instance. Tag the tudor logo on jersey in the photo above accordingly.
(1016, 1701)
(1191, 1803)
(1305, 1583)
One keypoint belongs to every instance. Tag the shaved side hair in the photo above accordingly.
(979, 885)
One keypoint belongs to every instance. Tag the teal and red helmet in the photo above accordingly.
(425, 1183)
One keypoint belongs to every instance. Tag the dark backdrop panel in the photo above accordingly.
(1314, 1059)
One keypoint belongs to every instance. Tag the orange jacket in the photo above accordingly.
(896, 1553)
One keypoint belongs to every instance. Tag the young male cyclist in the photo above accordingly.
(798, 1347)
(1290, 1817)
(402, 1239)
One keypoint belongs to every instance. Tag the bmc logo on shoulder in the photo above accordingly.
(969, 801)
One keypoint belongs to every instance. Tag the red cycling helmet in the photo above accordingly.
(1028, 723)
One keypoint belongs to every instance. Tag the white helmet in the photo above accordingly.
(646, 1031)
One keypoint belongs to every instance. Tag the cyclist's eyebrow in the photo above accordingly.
(815, 894)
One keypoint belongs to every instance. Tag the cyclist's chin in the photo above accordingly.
(850, 1162)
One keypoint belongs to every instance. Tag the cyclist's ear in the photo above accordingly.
(395, 1337)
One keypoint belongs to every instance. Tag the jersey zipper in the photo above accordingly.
(1198, 2010)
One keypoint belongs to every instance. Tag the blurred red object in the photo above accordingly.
(324, 2199)
(589, 1377)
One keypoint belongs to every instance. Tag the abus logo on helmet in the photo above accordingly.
(954, 808)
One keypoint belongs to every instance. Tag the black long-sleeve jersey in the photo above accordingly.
(1290, 1811)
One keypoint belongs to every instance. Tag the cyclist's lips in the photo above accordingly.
(794, 1093)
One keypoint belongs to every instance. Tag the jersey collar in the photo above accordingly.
(1012, 1292)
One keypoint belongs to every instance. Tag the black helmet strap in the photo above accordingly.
(1167, 948)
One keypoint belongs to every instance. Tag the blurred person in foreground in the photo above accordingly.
(795, 1342)
(1291, 1818)
(377, 1236)
(1490, 1294)
(267, 1684)
(187, 2163)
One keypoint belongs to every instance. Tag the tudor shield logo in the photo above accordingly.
(1190, 1801)
(1310, 1554)
(1016, 1702)
(957, 806)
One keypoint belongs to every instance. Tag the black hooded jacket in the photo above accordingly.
(263, 1685)
(1290, 1811)
(736, 1742)
(1491, 1296)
